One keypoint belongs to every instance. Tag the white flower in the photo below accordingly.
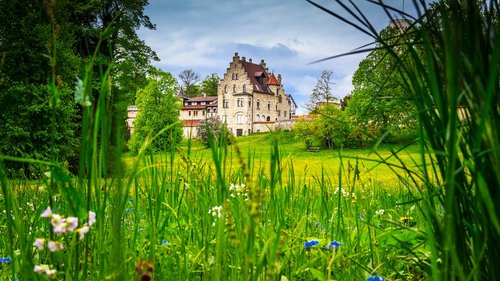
(91, 218)
(379, 212)
(51, 273)
(82, 231)
(216, 211)
(47, 213)
(39, 243)
(71, 223)
(55, 246)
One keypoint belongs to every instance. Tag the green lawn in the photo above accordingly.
(256, 150)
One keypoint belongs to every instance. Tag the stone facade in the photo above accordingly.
(194, 111)
(250, 99)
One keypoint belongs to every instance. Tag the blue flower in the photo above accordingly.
(164, 242)
(318, 224)
(374, 278)
(334, 245)
(5, 260)
(309, 244)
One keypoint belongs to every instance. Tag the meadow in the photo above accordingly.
(263, 208)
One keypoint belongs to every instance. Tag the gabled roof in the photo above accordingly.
(255, 71)
(272, 80)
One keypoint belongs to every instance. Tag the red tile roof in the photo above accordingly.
(254, 71)
(208, 98)
(191, 123)
(272, 80)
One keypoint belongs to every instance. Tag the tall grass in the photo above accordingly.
(177, 216)
(451, 70)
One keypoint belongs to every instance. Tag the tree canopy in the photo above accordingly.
(44, 47)
(379, 101)
(210, 85)
(158, 107)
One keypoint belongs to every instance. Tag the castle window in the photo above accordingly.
(250, 102)
(244, 88)
(236, 76)
(268, 118)
(240, 102)
(280, 99)
(225, 88)
(195, 113)
(224, 118)
(268, 105)
(257, 118)
(276, 106)
(239, 118)
(279, 113)
(189, 113)
(226, 103)
(234, 88)
(203, 112)
(258, 104)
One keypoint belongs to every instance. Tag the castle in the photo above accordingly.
(249, 99)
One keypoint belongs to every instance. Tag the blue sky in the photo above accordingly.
(203, 35)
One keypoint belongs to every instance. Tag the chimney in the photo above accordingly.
(279, 78)
(236, 58)
(243, 58)
(263, 63)
(250, 60)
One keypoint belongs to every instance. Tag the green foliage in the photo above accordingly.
(158, 107)
(210, 85)
(379, 103)
(329, 127)
(28, 129)
(214, 132)
(189, 78)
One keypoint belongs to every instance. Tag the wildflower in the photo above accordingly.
(92, 219)
(71, 223)
(44, 269)
(334, 245)
(5, 260)
(216, 211)
(374, 278)
(39, 243)
(164, 242)
(55, 246)
(47, 213)
(379, 212)
(309, 244)
(318, 224)
(361, 216)
(405, 219)
(82, 231)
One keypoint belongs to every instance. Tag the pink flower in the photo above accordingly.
(39, 243)
(71, 223)
(91, 218)
(47, 213)
(55, 246)
(82, 231)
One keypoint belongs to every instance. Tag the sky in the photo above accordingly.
(204, 35)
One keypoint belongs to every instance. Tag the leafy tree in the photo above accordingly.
(322, 92)
(158, 107)
(210, 85)
(37, 72)
(214, 131)
(189, 78)
(379, 102)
